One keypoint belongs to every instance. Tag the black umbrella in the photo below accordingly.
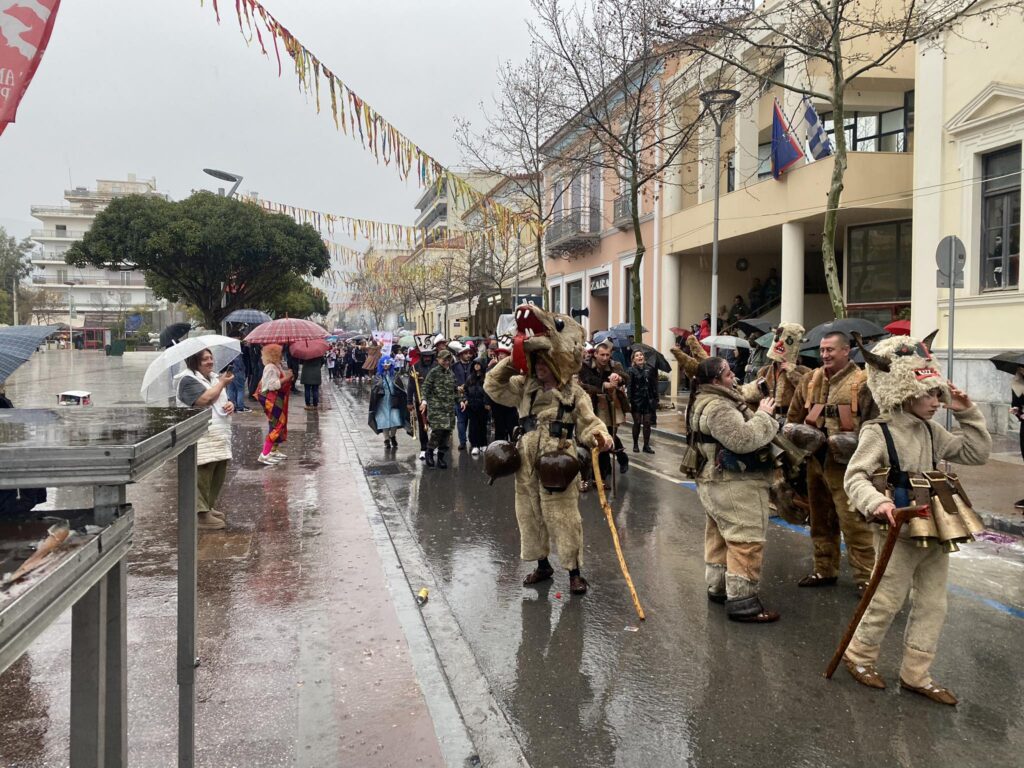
(624, 329)
(248, 317)
(754, 327)
(1008, 362)
(652, 357)
(172, 333)
(847, 325)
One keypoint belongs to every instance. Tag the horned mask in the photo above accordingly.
(901, 368)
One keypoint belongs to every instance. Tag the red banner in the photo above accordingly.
(25, 27)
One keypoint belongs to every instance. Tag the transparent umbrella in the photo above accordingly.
(159, 382)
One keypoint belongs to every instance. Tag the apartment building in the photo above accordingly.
(94, 298)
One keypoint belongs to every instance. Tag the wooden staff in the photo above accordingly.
(419, 399)
(901, 516)
(615, 536)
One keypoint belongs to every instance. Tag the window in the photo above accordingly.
(868, 131)
(126, 278)
(62, 276)
(730, 172)
(595, 200)
(1000, 219)
(556, 201)
(627, 288)
(574, 295)
(764, 161)
(879, 263)
(556, 299)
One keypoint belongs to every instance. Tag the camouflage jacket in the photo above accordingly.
(439, 394)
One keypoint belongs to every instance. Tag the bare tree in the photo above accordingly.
(420, 285)
(374, 286)
(843, 39)
(613, 108)
(510, 144)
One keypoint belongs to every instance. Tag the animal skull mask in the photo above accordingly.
(901, 368)
(556, 339)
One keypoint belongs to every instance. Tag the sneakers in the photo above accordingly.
(423, 456)
(281, 455)
(475, 451)
(270, 459)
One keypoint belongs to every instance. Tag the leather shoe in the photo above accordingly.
(578, 585)
(817, 580)
(864, 675)
(537, 576)
(936, 693)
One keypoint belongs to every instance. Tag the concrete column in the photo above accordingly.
(669, 313)
(792, 273)
(746, 145)
(928, 166)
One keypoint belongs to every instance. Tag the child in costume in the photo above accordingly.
(893, 453)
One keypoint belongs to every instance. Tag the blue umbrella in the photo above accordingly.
(624, 329)
(248, 316)
(17, 343)
(620, 342)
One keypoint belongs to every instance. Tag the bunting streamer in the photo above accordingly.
(356, 118)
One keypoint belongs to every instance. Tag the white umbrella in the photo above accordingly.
(159, 384)
(725, 342)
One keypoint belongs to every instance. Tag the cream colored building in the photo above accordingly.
(967, 174)
(97, 297)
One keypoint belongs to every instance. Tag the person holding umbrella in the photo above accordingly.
(311, 377)
(198, 386)
(273, 392)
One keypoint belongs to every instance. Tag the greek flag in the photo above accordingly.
(817, 140)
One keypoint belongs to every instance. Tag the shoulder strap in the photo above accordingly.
(931, 439)
(897, 477)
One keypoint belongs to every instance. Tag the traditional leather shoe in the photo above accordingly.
(936, 693)
(578, 585)
(749, 610)
(864, 675)
(817, 580)
(537, 576)
(716, 597)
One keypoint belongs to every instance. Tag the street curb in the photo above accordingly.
(992, 520)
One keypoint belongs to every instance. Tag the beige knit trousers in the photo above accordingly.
(922, 572)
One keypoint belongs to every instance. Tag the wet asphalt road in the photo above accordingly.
(582, 682)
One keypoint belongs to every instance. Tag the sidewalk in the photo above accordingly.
(304, 660)
(993, 487)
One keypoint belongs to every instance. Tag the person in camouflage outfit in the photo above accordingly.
(438, 407)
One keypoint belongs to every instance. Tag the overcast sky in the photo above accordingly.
(157, 88)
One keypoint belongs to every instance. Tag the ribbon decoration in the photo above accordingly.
(353, 115)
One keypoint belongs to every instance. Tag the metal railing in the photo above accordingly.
(59, 234)
(622, 212)
(582, 222)
(81, 281)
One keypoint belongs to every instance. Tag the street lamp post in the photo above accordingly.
(448, 261)
(71, 345)
(235, 180)
(719, 104)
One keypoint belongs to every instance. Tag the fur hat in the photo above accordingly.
(901, 368)
(786, 346)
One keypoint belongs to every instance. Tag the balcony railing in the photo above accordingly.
(86, 280)
(58, 234)
(65, 210)
(576, 229)
(622, 213)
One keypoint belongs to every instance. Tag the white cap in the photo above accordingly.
(440, 339)
(456, 347)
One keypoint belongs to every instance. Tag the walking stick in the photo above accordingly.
(901, 516)
(615, 536)
(419, 399)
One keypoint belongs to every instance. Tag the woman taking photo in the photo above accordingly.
(275, 386)
(733, 487)
(643, 399)
(199, 387)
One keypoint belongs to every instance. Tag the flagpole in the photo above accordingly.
(718, 103)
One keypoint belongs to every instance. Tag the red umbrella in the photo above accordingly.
(308, 349)
(899, 327)
(287, 330)
(678, 331)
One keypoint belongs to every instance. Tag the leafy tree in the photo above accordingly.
(15, 266)
(189, 249)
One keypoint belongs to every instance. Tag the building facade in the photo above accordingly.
(92, 297)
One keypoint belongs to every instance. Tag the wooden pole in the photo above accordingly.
(615, 536)
(901, 515)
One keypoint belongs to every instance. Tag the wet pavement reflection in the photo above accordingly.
(583, 682)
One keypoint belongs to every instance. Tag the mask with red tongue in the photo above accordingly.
(557, 337)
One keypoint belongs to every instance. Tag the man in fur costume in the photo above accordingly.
(783, 374)
(538, 380)
(828, 399)
(908, 389)
(605, 381)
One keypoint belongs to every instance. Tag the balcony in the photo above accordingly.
(58, 234)
(66, 210)
(87, 280)
(576, 230)
(622, 215)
